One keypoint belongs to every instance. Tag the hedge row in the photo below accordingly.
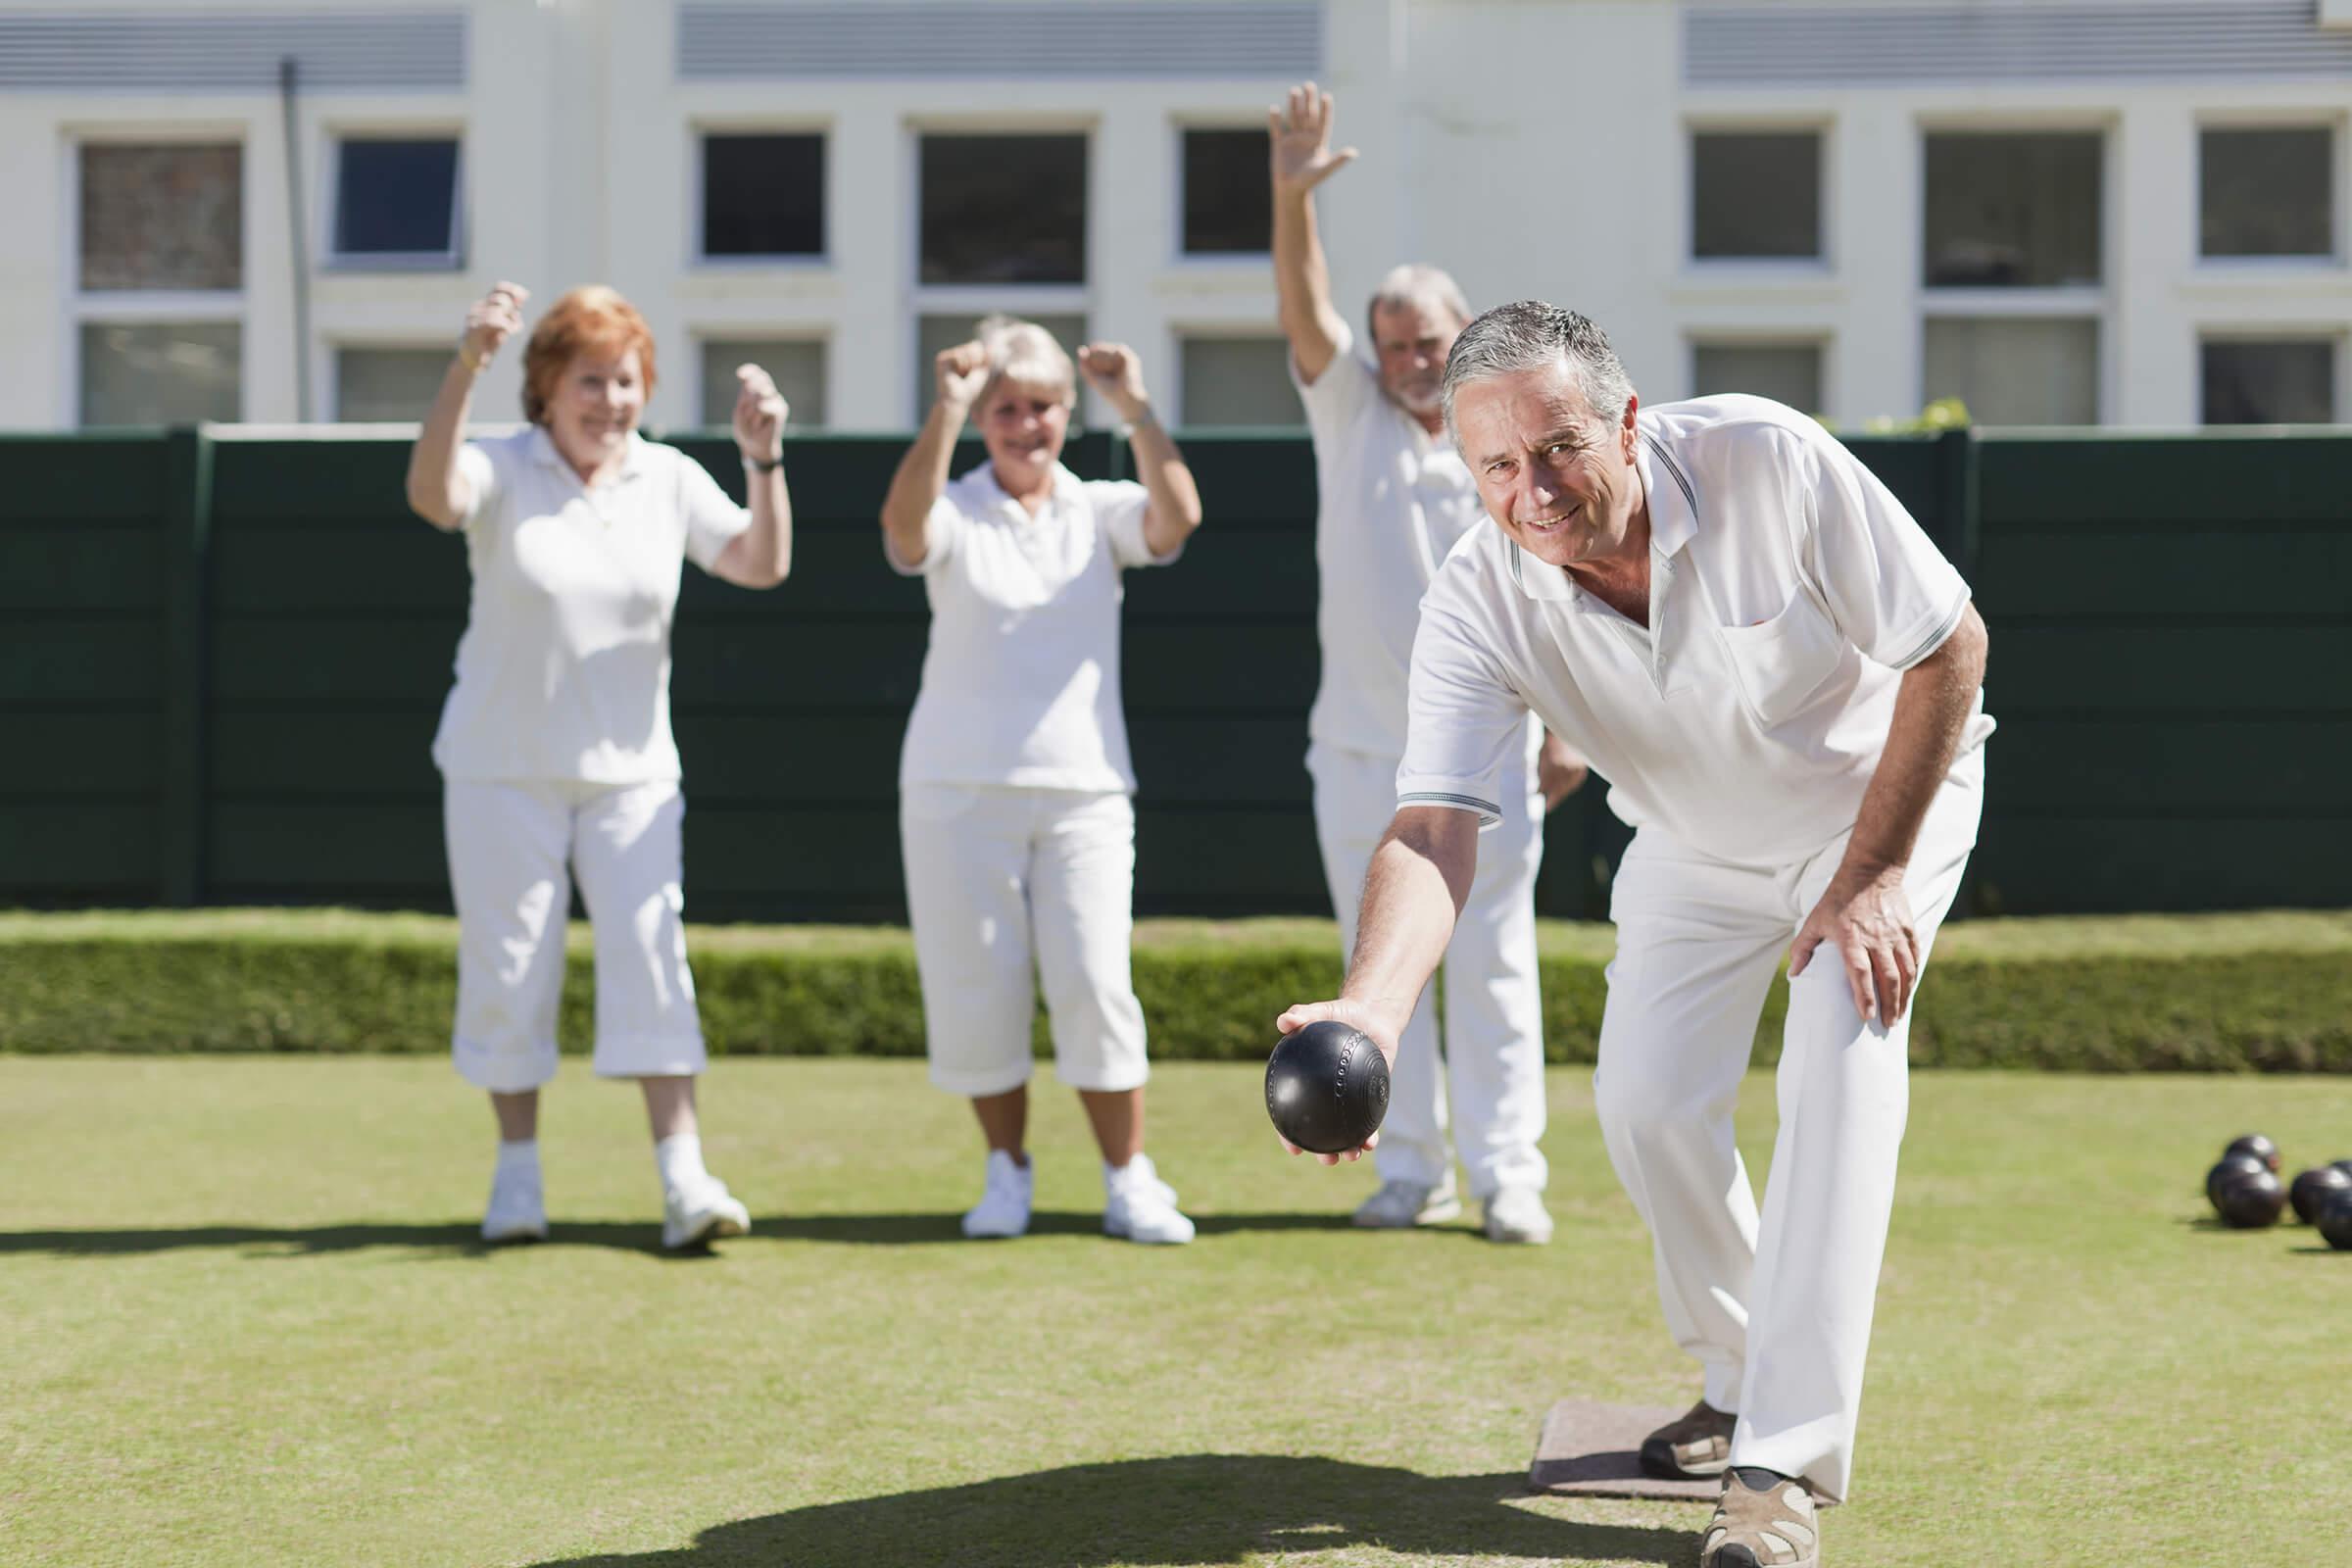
(2226, 993)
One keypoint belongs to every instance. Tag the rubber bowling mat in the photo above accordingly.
(1595, 1450)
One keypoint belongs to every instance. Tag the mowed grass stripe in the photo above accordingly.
(245, 1323)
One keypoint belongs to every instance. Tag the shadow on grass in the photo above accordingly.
(1199, 1509)
(463, 1238)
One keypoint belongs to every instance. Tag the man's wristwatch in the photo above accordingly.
(764, 464)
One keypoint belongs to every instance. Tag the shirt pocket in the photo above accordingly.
(1781, 661)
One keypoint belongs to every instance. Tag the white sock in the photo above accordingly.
(679, 1158)
(521, 1154)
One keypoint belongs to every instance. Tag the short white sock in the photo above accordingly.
(522, 1153)
(679, 1158)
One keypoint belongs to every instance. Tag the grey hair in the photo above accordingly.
(1527, 335)
(1414, 283)
(1023, 351)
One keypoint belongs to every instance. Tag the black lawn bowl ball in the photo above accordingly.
(2314, 1189)
(2336, 1223)
(1327, 1088)
(2230, 1167)
(2250, 1202)
(2259, 1147)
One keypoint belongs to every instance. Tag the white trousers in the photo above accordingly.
(998, 879)
(509, 847)
(1493, 1045)
(1776, 1310)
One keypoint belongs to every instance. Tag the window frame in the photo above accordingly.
(976, 300)
(1823, 262)
(2334, 335)
(333, 259)
(698, 131)
(2078, 302)
(1253, 261)
(335, 346)
(79, 308)
(1821, 340)
(702, 331)
(2339, 236)
(1184, 330)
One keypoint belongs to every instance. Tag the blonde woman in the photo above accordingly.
(1014, 784)
(555, 746)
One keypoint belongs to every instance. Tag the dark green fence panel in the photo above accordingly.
(229, 654)
(2171, 667)
(84, 667)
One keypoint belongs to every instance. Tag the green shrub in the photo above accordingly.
(2264, 991)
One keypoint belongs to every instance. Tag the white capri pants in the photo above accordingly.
(999, 878)
(509, 846)
(1493, 1051)
(1777, 1311)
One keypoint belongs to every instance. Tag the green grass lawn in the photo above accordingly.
(243, 1321)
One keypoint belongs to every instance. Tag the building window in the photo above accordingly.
(934, 333)
(1003, 209)
(160, 373)
(388, 385)
(1786, 373)
(2015, 370)
(2266, 192)
(160, 267)
(167, 217)
(1756, 195)
(1228, 194)
(1238, 380)
(796, 364)
(763, 195)
(395, 201)
(2013, 210)
(2279, 382)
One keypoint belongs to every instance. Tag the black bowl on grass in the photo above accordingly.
(2315, 1189)
(2250, 1202)
(2258, 1146)
(2230, 1166)
(2336, 1223)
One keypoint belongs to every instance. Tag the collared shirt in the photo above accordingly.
(1021, 681)
(1393, 500)
(564, 670)
(1788, 591)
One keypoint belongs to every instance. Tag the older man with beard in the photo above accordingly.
(1782, 680)
(1393, 498)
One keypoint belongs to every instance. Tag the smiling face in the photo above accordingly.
(1555, 476)
(595, 406)
(1023, 424)
(1412, 340)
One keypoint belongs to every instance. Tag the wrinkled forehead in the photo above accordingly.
(1414, 320)
(1515, 409)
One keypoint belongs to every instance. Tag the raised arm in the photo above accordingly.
(957, 373)
(1298, 144)
(1419, 879)
(1113, 370)
(437, 491)
(759, 557)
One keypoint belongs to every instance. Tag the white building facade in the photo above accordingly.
(2106, 211)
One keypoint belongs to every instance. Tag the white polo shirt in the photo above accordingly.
(1021, 681)
(1788, 590)
(1392, 501)
(564, 670)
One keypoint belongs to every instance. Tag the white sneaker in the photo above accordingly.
(1137, 1206)
(701, 1212)
(1517, 1214)
(1399, 1205)
(1002, 1211)
(517, 1210)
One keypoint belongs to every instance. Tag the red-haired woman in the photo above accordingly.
(555, 746)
